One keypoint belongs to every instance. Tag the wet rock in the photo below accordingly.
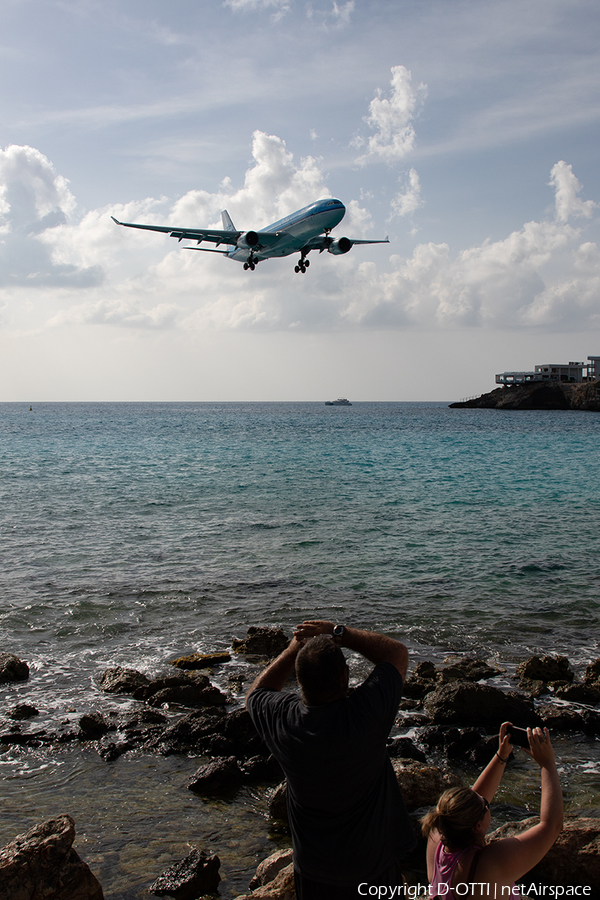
(22, 711)
(259, 641)
(403, 748)
(560, 718)
(270, 867)
(200, 660)
(592, 674)
(467, 669)
(239, 729)
(278, 803)
(579, 693)
(219, 775)
(261, 768)
(188, 732)
(421, 785)
(191, 877)
(183, 690)
(94, 725)
(42, 863)
(465, 703)
(548, 669)
(533, 687)
(574, 859)
(121, 681)
(421, 681)
(12, 668)
(280, 888)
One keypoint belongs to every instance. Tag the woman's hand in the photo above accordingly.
(540, 747)
(505, 747)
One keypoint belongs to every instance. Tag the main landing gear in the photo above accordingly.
(303, 265)
(251, 263)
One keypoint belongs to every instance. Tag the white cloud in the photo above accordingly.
(392, 119)
(567, 186)
(407, 201)
(545, 275)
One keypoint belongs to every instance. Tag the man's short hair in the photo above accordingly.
(320, 667)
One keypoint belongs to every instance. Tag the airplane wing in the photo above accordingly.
(254, 239)
(190, 234)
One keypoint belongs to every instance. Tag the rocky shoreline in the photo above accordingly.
(452, 711)
(538, 395)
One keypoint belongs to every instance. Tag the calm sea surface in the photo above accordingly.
(131, 533)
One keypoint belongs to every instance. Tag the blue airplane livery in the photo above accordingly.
(305, 230)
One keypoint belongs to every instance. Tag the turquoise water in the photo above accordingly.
(130, 533)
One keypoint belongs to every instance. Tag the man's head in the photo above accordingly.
(321, 671)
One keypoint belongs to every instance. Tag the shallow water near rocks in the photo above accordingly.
(134, 533)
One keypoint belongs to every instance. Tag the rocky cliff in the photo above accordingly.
(538, 395)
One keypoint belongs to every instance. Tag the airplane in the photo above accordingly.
(304, 230)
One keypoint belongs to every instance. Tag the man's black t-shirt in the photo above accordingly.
(347, 815)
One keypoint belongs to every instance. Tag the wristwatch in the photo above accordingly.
(338, 634)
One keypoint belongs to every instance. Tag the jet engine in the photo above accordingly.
(339, 246)
(248, 240)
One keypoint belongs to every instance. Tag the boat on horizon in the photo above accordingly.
(341, 401)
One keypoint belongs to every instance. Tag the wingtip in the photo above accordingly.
(116, 221)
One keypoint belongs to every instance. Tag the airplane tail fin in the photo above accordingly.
(227, 223)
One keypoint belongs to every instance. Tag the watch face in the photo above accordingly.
(338, 631)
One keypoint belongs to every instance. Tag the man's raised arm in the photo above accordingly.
(375, 647)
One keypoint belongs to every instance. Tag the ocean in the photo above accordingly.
(131, 533)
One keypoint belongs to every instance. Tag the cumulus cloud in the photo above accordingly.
(391, 119)
(408, 200)
(544, 275)
(34, 198)
(568, 187)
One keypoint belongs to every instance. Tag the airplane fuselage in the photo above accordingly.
(296, 230)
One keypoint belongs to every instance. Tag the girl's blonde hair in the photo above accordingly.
(457, 813)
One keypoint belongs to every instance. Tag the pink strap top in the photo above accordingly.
(444, 865)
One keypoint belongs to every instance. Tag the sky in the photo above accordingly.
(468, 131)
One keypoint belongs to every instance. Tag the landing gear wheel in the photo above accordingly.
(307, 263)
(296, 269)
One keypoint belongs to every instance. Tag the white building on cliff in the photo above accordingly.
(572, 372)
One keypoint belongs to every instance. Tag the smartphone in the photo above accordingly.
(518, 736)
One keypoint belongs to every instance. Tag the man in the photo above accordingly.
(348, 820)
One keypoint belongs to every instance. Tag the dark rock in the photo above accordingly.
(279, 887)
(239, 729)
(425, 670)
(467, 669)
(188, 732)
(193, 690)
(278, 803)
(560, 718)
(465, 703)
(421, 785)
(592, 674)
(94, 725)
(22, 711)
(417, 688)
(269, 868)
(403, 748)
(459, 742)
(538, 395)
(191, 877)
(262, 768)
(269, 642)
(579, 693)
(548, 669)
(121, 681)
(200, 660)
(12, 668)
(218, 775)
(42, 864)
(533, 687)
(574, 859)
